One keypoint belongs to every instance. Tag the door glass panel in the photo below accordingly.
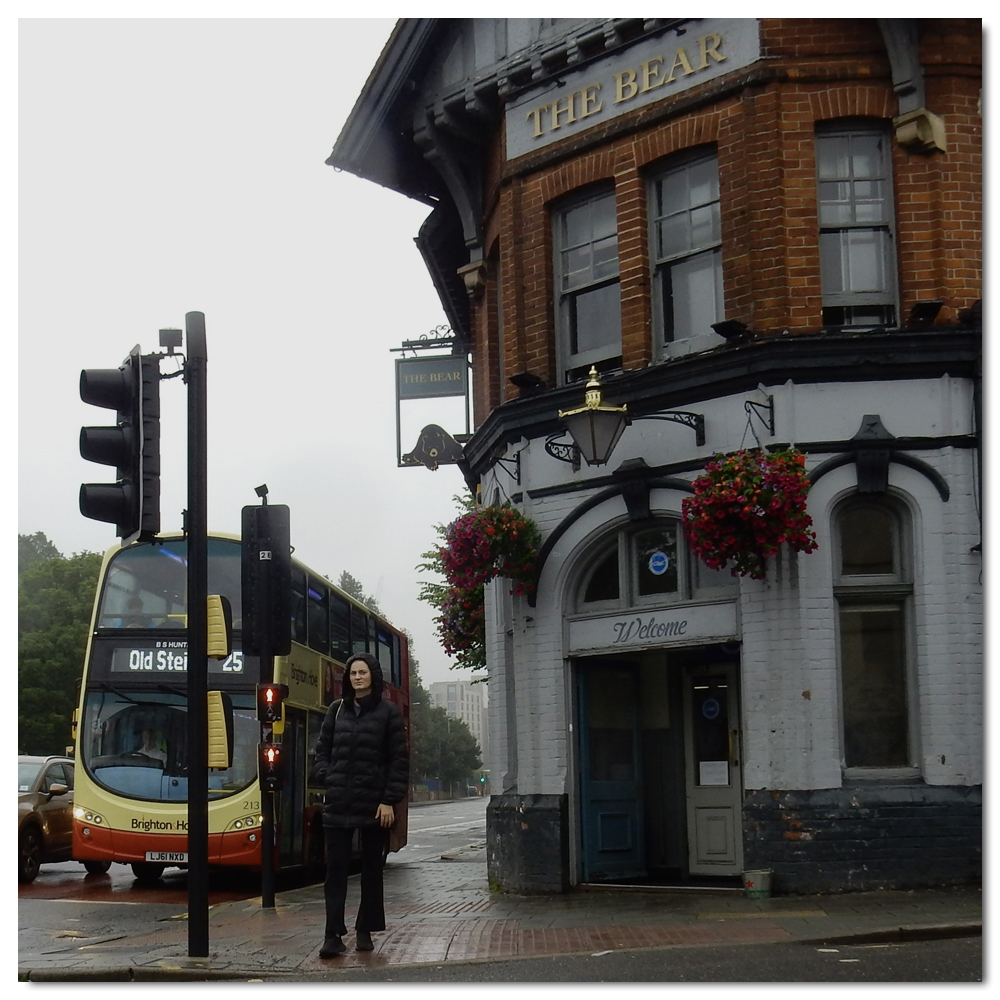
(611, 733)
(710, 730)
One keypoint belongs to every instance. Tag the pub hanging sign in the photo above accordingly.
(433, 377)
(423, 378)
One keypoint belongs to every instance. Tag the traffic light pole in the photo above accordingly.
(197, 608)
(266, 735)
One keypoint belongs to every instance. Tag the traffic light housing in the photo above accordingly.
(269, 702)
(271, 767)
(132, 446)
(267, 580)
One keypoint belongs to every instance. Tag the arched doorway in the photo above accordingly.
(656, 670)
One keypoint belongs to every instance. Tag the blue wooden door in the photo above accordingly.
(610, 773)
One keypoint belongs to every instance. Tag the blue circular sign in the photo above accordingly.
(711, 708)
(659, 563)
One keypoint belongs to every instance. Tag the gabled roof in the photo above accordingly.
(376, 142)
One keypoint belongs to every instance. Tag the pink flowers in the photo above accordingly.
(745, 506)
(481, 545)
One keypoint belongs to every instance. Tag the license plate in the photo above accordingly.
(167, 857)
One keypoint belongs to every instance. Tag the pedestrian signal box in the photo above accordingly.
(270, 698)
(271, 767)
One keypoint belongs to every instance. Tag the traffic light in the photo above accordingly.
(267, 580)
(271, 767)
(482, 779)
(269, 699)
(132, 446)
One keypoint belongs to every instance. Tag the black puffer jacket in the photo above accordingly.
(362, 759)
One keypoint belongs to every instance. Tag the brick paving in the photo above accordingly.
(439, 912)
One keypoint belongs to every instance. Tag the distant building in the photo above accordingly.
(465, 701)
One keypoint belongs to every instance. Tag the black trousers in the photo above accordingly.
(371, 912)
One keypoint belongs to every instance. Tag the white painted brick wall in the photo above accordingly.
(789, 673)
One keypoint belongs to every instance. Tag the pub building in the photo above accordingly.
(749, 233)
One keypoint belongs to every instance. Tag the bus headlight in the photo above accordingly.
(246, 823)
(85, 815)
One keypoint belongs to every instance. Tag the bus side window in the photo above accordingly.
(319, 616)
(359, 631)
(340, 627)
(299, 629)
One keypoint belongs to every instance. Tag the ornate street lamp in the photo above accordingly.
(594, 427)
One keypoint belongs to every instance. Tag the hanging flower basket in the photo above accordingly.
(745, 506)
(481, 545)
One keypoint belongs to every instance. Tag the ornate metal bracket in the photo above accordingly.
(512, 466)
(759, 410)
(564, 452)
(693, 420)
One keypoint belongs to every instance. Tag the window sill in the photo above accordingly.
(864, 775)
(692, 345)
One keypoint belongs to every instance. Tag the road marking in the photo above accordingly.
(451, 826)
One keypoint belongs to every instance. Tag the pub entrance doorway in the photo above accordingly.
(660, 782)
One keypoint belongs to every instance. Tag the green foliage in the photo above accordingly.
(479, 545)
(34, 548)
(55, 602)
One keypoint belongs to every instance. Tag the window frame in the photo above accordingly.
(879, 592)
(625, 543)
(662, 265)
(574, 365)
(888, 297)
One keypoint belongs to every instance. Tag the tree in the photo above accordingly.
(353, 587)
(34, 548)
(55, 602)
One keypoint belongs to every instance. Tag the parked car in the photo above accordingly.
(45, 815)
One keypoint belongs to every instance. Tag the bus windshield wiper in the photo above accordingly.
(168, 689)
(129, 698)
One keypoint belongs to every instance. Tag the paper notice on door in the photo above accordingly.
(713, 772)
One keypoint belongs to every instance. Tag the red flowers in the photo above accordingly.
(481, 545)
(745, 506)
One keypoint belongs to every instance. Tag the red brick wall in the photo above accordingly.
(764, 134)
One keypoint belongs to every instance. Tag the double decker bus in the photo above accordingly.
(131, 723)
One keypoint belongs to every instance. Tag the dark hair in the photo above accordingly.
(347, 691)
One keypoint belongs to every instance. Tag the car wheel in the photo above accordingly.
(29, 855)
(97, 867)
(145, 871)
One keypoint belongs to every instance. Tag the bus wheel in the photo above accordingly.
(145, 871)
(97, 867)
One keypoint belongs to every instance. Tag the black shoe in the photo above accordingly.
(365, 941)
(332, 947)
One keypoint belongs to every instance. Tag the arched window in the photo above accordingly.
(874, 587)
(649, 564)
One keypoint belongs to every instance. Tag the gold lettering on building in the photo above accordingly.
(680, 59)
(629, 83)
(566, 110)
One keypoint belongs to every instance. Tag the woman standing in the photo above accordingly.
(362, 760)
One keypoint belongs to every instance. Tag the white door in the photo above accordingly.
(713, 775)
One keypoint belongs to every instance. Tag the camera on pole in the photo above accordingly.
(132, 446)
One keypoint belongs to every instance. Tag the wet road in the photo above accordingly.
(434, 829)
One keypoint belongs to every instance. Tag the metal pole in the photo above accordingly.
(197, 609)
(263, 600)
